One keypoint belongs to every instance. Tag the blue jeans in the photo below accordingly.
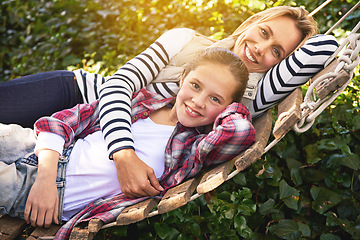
(17, 178)
(25, 99)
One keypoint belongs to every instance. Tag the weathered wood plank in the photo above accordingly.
(88, 232)
(328, 86)
(44, 233)
(136, 212)
(288, 113)
(262, 127)
(215, 177)
(10, 227)
(178, 195)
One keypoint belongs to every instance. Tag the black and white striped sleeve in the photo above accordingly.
(292, 72)
(117, 91)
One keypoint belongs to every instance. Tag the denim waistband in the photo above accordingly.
(61, 177)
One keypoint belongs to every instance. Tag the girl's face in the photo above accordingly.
(266, 44)
(204, 93)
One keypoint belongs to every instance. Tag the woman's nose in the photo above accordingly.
(261, 48)
(258, 49)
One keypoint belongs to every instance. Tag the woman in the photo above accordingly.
(261, 42)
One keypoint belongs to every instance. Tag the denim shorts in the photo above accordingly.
(17, 178)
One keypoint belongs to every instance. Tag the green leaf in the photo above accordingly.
(195, 229)
(296, 176)
(312, 153)
(327, 144)
(329, 236)
(289, 195)
(241, 227)
(245, 193)
(289, 229)
(356, 125)
(240, 179)
(165, 232)
(323, 199)
(266, 207)
(246, 207)
(352, 161)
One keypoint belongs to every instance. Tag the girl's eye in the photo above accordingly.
(215, 99)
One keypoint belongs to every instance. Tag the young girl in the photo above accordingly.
(172, 141)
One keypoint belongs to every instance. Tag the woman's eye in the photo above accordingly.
(264, 33)
(277, 52)
(196, 86)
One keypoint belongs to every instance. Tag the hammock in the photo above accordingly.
(294, 112)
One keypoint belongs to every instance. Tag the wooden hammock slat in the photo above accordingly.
(11, 227)
(89, 232)
(288, 113)
(216, 176)
(262, 124)
(178, 195)
(44, 232)
(137, 212)
(328, 86)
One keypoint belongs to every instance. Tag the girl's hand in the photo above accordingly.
(135, 177)
(41, 207)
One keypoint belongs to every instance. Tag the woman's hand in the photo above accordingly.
(135, 177)
(41, 207)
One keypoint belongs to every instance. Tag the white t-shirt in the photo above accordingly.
(90, 175)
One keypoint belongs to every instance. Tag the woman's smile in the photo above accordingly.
(249, 55)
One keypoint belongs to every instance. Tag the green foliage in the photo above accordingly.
(306, 187)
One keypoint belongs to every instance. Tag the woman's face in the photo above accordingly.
(266, 44)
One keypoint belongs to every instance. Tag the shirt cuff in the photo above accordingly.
(52, 141)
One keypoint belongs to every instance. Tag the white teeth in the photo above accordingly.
(191, 111)
(248, 55)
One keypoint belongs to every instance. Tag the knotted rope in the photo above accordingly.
(348, 60)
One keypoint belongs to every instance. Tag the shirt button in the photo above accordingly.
(250, 94)
(146, 114)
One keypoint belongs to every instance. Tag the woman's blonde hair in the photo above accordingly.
(303, 21)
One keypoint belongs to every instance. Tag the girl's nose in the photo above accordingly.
(199, 101)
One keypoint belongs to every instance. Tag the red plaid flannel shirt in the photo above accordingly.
(187, 152)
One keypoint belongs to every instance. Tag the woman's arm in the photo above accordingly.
(292, 72)
(117, 91)
(136, 178)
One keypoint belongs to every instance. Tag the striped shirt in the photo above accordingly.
(275, 85)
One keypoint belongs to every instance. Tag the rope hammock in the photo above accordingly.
(311, 108)
(295, 112)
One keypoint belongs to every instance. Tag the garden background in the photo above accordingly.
(306, 187)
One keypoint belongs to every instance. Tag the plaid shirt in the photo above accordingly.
(187, 152)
